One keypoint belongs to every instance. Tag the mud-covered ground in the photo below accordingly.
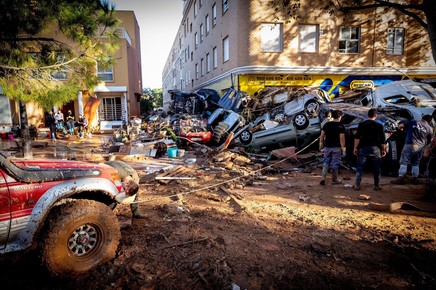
(280, 230)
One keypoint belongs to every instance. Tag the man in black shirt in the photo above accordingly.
(333, 134)
(369, 144)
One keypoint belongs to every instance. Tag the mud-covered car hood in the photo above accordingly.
(46, 164)
(38, 170)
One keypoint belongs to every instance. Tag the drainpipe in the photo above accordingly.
(126, 118)
(80, 102)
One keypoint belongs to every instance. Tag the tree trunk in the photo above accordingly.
(430, 13)
(27, 141)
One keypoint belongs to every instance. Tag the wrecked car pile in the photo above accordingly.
(278, 117)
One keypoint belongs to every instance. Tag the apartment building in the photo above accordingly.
(117, 97)
(224, 43)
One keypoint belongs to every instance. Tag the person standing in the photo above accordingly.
(70, 122)
(59, 117)
(332, 138)
(369, 144)
(419, 134)
(130, 179)
(328, 118)
(51, 123)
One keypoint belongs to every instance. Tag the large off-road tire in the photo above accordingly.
(219, 132)
(81, 235)
(301, 121)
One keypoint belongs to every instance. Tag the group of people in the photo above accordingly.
(370, 146)
(57, 123)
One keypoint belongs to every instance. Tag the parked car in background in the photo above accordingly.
(390, 117)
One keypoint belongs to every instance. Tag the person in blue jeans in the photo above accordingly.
(369, 145)
(418, 136)
(70, 122)
(333, 138)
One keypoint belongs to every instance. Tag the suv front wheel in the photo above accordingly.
(81, 235)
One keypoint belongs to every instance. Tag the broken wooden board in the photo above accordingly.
(177, 173)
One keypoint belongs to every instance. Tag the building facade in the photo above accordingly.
(117, 97)
(224, 43)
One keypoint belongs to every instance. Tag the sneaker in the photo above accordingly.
(322, 182)
(399, 180)
(415, 180)
(356, 187)
(336, 181)
(377, 188)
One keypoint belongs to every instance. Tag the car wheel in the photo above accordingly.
(301, 121)
(311, 107)
(219, 132)
(80, 235)
(246, 137)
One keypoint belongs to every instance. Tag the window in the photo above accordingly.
(110, 109)
(207, 62)
(186, 55)
(213, 14)
(188, 52)
(195, 8)
(395, 43)
(202, 67)
(200, 3)
(308, 38)
(201, 32)
(190, 27)
(196, 39)
(196, 71)
(226, 54)
(215, 57)
(349, 39)
(271, 37)
(106, 74)
(60, 73)
(225, 6)
(206, 21)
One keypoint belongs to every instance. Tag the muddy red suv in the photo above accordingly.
(61, 208)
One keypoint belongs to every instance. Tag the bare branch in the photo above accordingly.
(399, 7)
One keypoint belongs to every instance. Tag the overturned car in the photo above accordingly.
(418, 98)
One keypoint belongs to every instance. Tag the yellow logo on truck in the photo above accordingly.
(359, 84)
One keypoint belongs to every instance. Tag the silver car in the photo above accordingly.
(418, 98)
(280, 132)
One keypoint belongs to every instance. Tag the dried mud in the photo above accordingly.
(284, 231)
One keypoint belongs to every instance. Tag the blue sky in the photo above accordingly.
(158, 21)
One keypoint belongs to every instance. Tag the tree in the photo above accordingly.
(32, 65)
(154, 97)
(423, 11)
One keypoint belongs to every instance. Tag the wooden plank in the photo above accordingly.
(174, 177)
(177, 173)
